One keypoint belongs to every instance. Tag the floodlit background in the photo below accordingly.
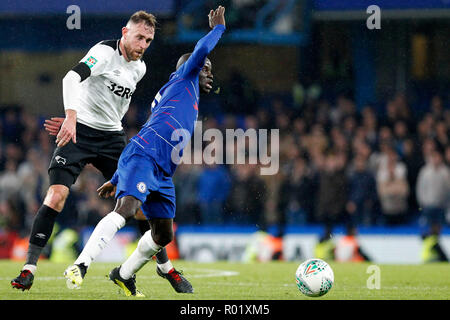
(362, 108)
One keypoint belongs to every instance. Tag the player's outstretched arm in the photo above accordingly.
(206, 44)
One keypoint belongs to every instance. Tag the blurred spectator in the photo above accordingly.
(437, 107)
(34, 183)
(87, 207)
(11, 217)
(362, 196)
(344, 108)
(186, 186)
(213, 190)
(393, 188)
(442, 133)
(11, 125)
(332, 193)
(245, 204)
(297, 194)
(401, 133)
(29, 135)
(13, 152)
(447, 155)
(370, 125)
(11, 205)
(10, 182)
(339, 140)
(397, 109)
(412, 157)
(433, 189)
(240, 93)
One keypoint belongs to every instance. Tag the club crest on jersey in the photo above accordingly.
(141, 187)
(90, 62)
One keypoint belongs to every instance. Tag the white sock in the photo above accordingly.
(103, 233)
(145, 250)
(30, 267)
(165, 267)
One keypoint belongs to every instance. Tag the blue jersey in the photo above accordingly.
(175, 108)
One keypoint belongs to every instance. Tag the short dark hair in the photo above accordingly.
(143, 16)
(183, 59)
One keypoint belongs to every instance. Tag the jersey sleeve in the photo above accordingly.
(115, 178)
(96, 59)
(203, 47)
(143, 70)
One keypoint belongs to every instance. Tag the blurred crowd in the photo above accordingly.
(338, 165)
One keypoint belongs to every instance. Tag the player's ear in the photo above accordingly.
(124, 31)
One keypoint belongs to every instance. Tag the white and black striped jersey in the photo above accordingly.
(107, 83)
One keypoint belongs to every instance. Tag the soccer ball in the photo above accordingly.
(314, 277)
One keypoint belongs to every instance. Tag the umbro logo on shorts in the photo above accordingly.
(141, 187)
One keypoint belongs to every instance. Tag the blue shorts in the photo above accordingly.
(140, 177)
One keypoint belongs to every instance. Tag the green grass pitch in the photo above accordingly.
(236, 281)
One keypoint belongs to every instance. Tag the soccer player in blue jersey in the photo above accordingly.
(143, 178)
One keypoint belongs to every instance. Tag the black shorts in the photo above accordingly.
(102, 149)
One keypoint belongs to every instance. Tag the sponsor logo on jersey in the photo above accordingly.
(91, 61)
(120, 91)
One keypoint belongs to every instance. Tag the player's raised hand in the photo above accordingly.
(106, 190)
(53, 125)
(68, 129)
(216, 17)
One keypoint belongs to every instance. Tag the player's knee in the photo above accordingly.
(163, 238)
(56, 197)
(127, 207)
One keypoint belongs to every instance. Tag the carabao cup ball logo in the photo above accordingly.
(313, 267)
(141, 187)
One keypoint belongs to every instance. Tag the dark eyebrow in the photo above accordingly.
(139, 35)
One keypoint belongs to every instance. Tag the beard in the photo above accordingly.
(131, 54)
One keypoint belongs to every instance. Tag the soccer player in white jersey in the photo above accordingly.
(96, 94)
